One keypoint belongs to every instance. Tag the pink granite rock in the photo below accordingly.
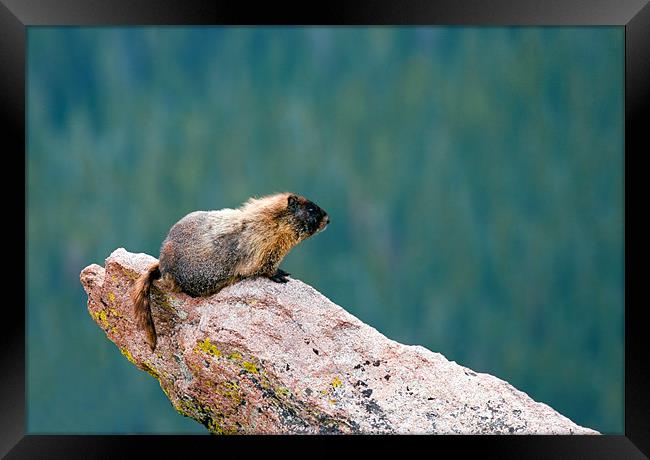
(261, 357)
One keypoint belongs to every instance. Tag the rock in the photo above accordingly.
(261, 357)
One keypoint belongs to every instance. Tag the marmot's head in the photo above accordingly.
(306, 216)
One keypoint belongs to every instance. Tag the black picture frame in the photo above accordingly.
(17, 15)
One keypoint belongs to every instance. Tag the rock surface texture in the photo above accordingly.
(261, 357)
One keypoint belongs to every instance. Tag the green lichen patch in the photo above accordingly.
(235, 356)
(283, 391)
(218, 426)
(222, 401)
(164, 302)
(231, 385)
(230, 390)
(222, 404)
(187, 406)
(130, 274)
(213, 420)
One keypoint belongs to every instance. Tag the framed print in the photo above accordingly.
(471, 161)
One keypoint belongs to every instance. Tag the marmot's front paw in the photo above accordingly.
(280, 276)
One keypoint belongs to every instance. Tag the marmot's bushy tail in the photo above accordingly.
(141, 303)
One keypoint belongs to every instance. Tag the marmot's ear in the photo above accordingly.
(292, 201)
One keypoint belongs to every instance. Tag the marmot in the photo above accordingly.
(206, 251)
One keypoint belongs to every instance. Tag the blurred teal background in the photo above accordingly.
(474, 177)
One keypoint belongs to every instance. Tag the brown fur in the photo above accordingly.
(206, 251)
(140, 297)
(271, 236)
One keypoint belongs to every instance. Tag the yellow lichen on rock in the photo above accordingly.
(128, 355)
(101, 317)
(207, 347)
(250, 367)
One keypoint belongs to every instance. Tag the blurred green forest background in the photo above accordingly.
(474, 177)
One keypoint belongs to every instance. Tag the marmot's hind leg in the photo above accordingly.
(280, 276)
(169, 283)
